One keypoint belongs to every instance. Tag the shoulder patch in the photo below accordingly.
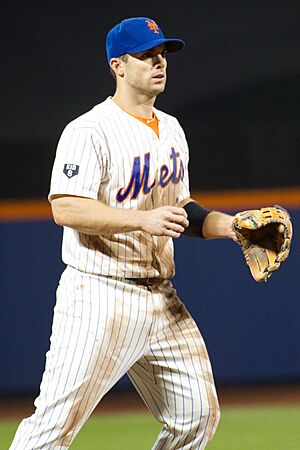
(71, 170)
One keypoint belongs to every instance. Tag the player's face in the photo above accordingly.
(146, 72)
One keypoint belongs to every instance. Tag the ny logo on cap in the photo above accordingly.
(152, 26)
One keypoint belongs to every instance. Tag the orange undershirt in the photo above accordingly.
(152, 123)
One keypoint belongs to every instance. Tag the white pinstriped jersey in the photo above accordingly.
(110, 156)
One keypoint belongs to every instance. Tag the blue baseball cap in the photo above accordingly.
(138, 34)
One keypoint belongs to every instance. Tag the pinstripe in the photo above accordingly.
(125, 363)
(46, 385)
(201, 420)
(89, 396)
(97, 393)
(117, 138)
(145, 391)
(88, 365)
(125, 340)
(187, 371)
(104, 325)
(132, 357)
(85, 398)
(69, 328)
(174, 392)
(110, 138)
(208, 370)
(155, 333)
(120, 314)
(173, 388)
(81, 143)
(130, 134)
(181, 381)
(187, 437)
(67, 383)
(192, 399)
(34, 420)
(133, 127)
(90, 406)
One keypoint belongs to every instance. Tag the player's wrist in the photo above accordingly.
(140, 220)
(196, 215)
(218, 225)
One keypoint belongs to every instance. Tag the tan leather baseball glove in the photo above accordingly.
(265, 238)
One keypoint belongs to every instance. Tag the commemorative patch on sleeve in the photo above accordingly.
(71, 170)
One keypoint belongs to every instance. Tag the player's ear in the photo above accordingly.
(117, 66)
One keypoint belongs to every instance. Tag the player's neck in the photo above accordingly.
(141, 106)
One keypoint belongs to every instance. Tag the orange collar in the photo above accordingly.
(152, 123)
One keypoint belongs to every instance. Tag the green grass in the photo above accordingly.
(258, 428)
(241, 428)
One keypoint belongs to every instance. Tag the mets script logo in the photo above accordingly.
(153, 26)
(139, 180)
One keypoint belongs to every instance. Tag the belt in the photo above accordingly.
(144, 281)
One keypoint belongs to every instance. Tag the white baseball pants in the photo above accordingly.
(103, 328)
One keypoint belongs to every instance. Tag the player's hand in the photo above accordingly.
(165, 221)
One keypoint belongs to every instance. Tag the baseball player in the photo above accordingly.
(120, 189)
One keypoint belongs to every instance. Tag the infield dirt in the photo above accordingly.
(116, 401)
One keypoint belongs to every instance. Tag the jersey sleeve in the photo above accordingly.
(79, 165)
(185, 185)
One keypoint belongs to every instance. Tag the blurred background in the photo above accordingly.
(236, 91)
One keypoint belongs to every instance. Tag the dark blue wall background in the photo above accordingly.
(252, 330)
(235, 88)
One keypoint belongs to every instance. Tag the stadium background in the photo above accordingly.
(236, 91)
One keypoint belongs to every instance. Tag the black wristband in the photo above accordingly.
(196, 216)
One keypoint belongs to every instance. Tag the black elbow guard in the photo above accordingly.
(196, 216)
